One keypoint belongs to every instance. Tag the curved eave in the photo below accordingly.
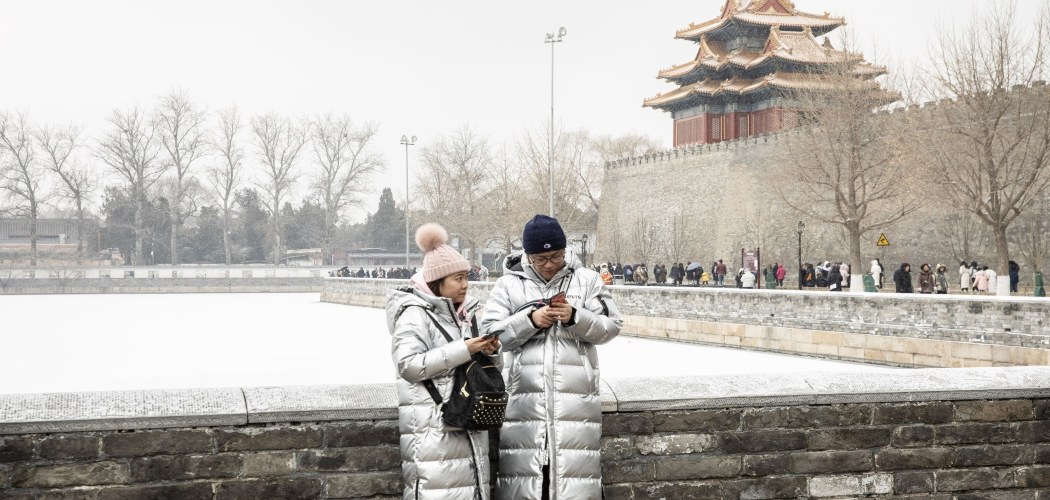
(818, 24)
(683, 71)
(789, 82)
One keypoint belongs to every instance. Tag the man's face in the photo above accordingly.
(548, 264)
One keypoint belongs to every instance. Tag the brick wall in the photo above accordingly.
(898, 329)
(969, 433)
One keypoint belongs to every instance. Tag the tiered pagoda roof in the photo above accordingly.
(762, 14)
(790, 58)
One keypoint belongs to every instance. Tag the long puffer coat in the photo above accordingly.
(437, 461)
(554, 416)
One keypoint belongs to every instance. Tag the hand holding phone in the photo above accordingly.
(558, 299)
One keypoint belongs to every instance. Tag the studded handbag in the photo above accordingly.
(479, 397)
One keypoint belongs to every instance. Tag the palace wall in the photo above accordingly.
(726, 192)
(895, 329)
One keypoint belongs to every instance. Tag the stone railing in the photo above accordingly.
(899, 329)
(163, 279)
(981, 432)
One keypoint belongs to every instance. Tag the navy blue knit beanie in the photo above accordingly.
(542, 234)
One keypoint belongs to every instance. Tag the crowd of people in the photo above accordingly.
(475, 273)
(691, 274)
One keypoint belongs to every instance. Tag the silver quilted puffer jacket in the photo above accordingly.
(554, 416)
(437, 461)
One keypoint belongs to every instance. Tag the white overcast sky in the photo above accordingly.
(417, 68)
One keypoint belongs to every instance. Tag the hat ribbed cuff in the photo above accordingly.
(438, 272)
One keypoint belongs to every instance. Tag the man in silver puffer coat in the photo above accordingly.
(550, 440)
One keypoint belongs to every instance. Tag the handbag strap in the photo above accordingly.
(429, 384)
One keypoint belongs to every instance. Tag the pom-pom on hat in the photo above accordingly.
(439, 259)
(542, 234)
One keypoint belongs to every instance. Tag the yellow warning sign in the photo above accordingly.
(883, 241)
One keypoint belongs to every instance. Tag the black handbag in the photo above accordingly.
(479, 397)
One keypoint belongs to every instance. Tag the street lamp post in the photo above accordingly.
(583, 249)
(801, 276)
(405, 141)
(552, 39)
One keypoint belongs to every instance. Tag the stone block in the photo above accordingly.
(77, 494)
(287, 488)
(183, 491)
(981, 352)
(674, 444)
(75, 474)
(618, 491)
(69, 447)
(679, 491)
(912, 436)
(184, 467)
(617, 448)
(1042, 409)
(766, 487)
(269, 438)
(917, 458)
(627, 423)
(268, 463)
(851, 352)
(929, 361)
(350, 434)
(698, 467)
(628, 471)
(765, 465)
(167, 442)
(15, 449)
(360, 459)
(913, 413)
(975, 479)
(854, 340)
(913, 482)
(840, 486)
(983, 433)
(365, 484)
(762, 440)
(899, 358)
(826, 338)
(1042, 454)
(994, 411)
(987, 455)
(792, 417)
(848, 438)
(823, 462)
(696, 420)
(1036, 476)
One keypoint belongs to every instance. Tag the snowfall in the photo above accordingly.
(73, 343)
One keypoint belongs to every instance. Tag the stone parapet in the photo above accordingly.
(158, 285)
(952, 331)
(928, 433)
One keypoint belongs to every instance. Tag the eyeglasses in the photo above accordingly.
(542, 261)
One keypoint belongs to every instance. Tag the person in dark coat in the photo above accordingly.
(1015, 276)
(902, 278)
(835, 279)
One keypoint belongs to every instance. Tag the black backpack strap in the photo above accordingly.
(429, 384)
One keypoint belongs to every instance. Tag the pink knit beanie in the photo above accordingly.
(440, 259)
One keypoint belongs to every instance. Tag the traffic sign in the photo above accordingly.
(883, 241)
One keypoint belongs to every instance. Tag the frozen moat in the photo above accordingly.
(64, 343)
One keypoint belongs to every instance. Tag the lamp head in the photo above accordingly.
(562, 32)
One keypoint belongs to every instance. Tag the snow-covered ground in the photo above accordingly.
(63, 343)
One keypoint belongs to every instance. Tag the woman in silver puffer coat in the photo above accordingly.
(550, 440)
(437, 461)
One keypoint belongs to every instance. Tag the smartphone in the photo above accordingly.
(491, 334)
(558, 299)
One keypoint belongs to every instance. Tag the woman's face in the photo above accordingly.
(454, 286)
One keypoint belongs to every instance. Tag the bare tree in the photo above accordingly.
(182, 129)
(280, 142)
(130, 148)
(454, 183)
(645, 236)
(225, 177)
(21, 176)
(679, 235)
(964, 235)
(345, 157)
(76, 184)
(507, 211)
(1032, 236)
(991, 146)
(590, 169)
(844, 166)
